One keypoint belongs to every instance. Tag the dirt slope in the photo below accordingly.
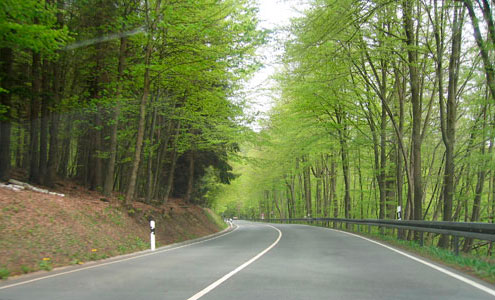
(40, 231)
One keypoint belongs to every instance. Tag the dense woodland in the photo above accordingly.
(381, 104)
(127, 96)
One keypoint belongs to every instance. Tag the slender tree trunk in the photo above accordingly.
(45, 118)
(448, 129)
(400, 159)
(345, 162)
(110, 171)
(301, 187)
(161, 151)
(383, 164)
(63, 169)
(6, 58)
(292, 195)
(412, 55)
(361, 191)
(97, 170)
(307, 188)
(142, 110)
(333, 187)
(53, 154)
(190, 178)
(149, 181)
(142, 116)
(35, 122)
(170, 178)
(326, 188)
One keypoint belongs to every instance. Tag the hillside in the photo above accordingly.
(40, 231)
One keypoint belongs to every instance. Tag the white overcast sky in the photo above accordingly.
(273, 14)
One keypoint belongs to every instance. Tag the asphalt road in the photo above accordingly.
(256, 261)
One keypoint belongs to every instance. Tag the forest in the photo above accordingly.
(380, 104)
(137, 98)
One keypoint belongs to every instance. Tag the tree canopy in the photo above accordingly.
(383, 104)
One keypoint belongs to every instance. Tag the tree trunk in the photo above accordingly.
(53, 154)
(450, 117)
(161, 152)
(63, 169)
(345, 162)
(170, 179)
(6, 58)
(412, 55)
(383, 163)
(400, 159)
(45, 118)
(34, 175)
(112, 149)
(140, 134)
(149, 181)
(53, 151)
(307, 188)
(190, 178)
(142, 110)
(96, 160)
(333, 187)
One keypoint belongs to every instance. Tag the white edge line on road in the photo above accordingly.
(238, 269)
(438, 268)
(116, 261)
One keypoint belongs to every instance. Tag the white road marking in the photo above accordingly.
(115, 261)
(433, 266)
(236, 270)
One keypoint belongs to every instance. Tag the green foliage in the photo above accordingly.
(25, 269)
(212, 216)
(344, 107)
(4, 273)
(30, 25)
(45, 264)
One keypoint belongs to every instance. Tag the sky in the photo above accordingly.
(273, 14)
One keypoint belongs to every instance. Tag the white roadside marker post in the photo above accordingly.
(152, 228)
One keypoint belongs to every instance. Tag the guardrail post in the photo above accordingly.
(456, 245)
(369, 229)
(421, 239)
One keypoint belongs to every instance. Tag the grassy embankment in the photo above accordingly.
(40, 232)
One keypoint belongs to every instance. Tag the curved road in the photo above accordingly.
(257, 261)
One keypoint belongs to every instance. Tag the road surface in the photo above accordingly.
(257, 261)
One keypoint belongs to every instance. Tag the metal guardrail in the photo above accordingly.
(481, 231)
